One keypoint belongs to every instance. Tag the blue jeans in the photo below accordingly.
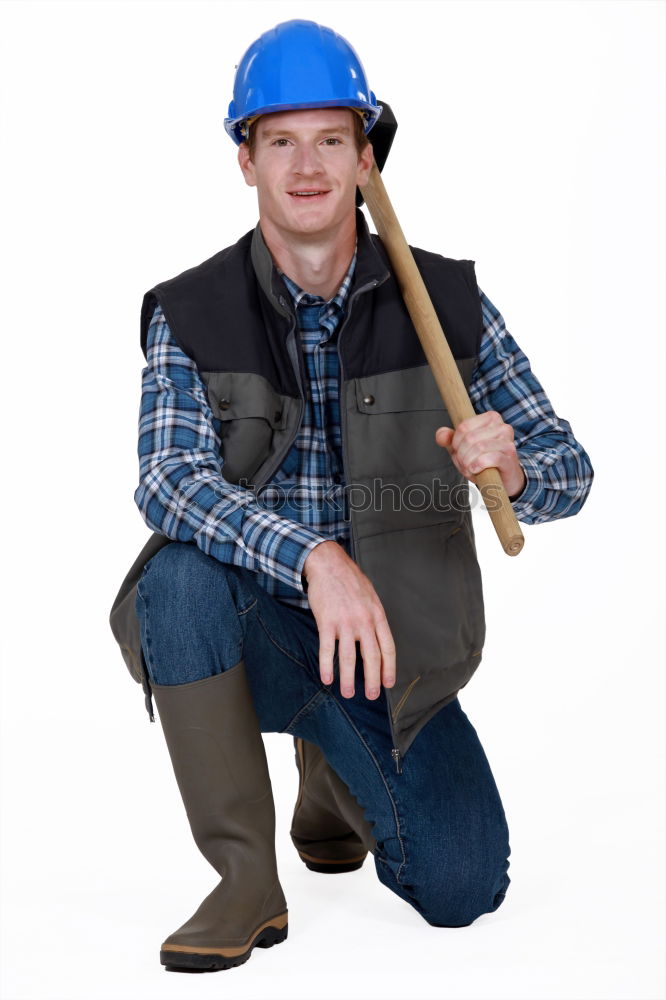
(442, 837)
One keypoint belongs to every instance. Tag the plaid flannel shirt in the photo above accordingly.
(182, 492)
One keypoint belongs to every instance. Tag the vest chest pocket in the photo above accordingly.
(395, 416)
(253, 419)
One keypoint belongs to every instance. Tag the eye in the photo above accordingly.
(280, 142)
(331, 140)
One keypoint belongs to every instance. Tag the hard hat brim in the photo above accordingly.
(371, 112)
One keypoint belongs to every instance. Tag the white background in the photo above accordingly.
(531, 140)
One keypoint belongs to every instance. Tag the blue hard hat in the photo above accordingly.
(294, 66)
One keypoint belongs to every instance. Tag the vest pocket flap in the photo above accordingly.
(238, 395)
(399, 391)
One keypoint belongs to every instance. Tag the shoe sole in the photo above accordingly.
(179, 958)
(331, 867)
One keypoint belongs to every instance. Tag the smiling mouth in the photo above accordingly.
(306, 194)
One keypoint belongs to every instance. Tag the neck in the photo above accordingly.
(317, 265)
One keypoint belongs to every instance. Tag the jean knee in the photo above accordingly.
(457, 898)
(183, 587)
(188, 609)
(181, 577)
(462, 913)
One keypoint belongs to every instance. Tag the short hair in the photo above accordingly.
(360, 138)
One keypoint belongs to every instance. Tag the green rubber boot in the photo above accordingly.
(218, 757)
(329, 829)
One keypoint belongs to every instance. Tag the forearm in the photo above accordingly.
(223, 521)
(182, 492)
(558, 479)
(558, 471)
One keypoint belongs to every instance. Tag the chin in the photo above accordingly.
(311, 225)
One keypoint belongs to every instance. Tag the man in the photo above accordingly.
(313, 568)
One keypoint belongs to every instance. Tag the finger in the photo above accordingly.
(387, 649)
(495, 431)
(487, 418)
(470, 452)
(347, 661)
(444, 436)
(474, 449)
(493, 448)
(467, 439)
(326, 653)
(480, 426)
(489, 460)
(372, 664)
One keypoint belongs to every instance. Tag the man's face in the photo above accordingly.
(306, 169)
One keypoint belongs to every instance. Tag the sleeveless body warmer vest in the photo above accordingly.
(411, 524)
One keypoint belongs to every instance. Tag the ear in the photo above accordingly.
(365, 162)
(246, 165)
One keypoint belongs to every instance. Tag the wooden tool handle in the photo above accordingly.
(438, 352)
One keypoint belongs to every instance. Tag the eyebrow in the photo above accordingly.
(270, 132)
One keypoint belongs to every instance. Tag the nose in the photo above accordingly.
(307, 161)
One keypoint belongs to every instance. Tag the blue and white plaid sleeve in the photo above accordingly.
(182, 493)
(557, 468)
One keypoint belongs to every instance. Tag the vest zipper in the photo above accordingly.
(395, 752)
(343, 410)
(396, 756)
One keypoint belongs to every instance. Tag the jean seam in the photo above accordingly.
(396, 817)
(246, 610)
(305, 709)
(286, 652)
(147, 650)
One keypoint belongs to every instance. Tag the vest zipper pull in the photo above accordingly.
(395, 753)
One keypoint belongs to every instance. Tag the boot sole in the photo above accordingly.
(331, 867)
(180, 958)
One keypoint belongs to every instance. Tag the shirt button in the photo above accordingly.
(277, 415)
(337, 477)
(368, 400)
(225, 404)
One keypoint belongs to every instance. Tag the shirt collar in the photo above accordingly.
(372, 268)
